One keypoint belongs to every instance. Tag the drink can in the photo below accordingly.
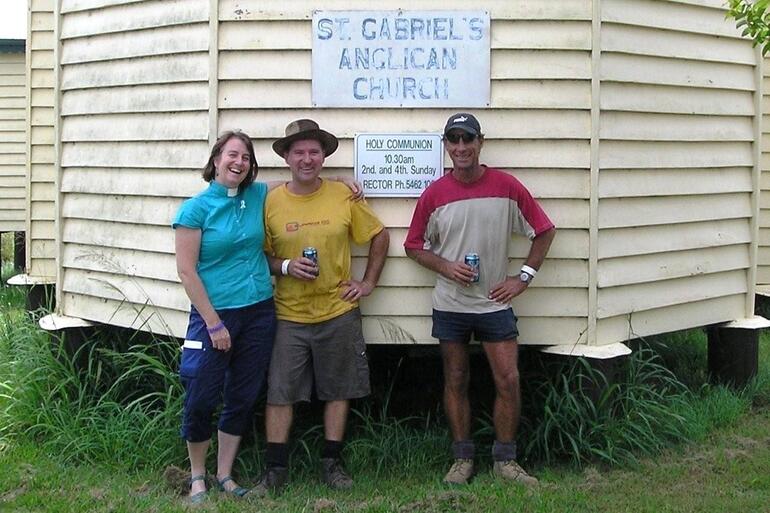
(312, 254)
(473, 260)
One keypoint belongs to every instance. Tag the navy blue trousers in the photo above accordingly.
(233, 378)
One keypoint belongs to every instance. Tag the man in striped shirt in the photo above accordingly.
(476, 209)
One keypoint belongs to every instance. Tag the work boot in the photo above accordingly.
(272, 480)
(460, 472)
(511, 470)
(333, 475)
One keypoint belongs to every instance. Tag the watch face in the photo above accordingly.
(525, 277)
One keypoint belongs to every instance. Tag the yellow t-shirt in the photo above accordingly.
(326, 219)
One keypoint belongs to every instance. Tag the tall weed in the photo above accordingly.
(96, 405)
(638, 414)
(383, 444)
(11, 298)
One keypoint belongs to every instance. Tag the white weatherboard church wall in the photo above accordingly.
(679, 168)
(763, 257)
(13, 116)
(41, 170)
(635, 123)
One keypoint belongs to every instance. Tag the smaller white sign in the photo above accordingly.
(398, 165)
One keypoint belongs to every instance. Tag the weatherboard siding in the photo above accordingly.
(672, 158)
(13, 149)
(40, 211)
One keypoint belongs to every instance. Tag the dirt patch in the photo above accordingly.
(373, 504)
(592, 478)
(324, 505)
(701, 458)
(748, 444)
(97, 493)
(143, 489)
(734, 454)
(27, 472)
(12, 494)
(744, 447)
(454, 501)
(177, 480)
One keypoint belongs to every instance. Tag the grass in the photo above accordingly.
(7, 247)
(728, 472)
(125, 401)
(94, 431)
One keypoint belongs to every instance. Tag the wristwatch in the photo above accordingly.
(527, 273)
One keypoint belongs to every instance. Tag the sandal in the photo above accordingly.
(200, 497)
(238, 491)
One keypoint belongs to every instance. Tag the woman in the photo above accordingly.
(226, 353)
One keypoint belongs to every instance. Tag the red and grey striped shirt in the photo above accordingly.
(453, 218)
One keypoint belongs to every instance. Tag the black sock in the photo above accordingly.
(277, 455)
(463, 450)
(504, 451)
(332, 449)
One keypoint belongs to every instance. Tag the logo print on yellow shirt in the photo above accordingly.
(292, 227)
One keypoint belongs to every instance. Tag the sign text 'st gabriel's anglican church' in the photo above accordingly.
(401, 59)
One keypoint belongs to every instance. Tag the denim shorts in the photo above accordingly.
(485, 327)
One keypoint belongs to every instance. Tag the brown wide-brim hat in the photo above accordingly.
(305, 129)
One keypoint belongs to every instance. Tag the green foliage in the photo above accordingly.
(92, 429)
(6, 249)
(97, 404)
(409, 444)
(11, 297)
(753, 18)
(640, 413)
(684, 354)
(117, 399)
(729, 472)
(659, 399)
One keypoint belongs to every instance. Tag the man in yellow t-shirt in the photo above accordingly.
(319, 338)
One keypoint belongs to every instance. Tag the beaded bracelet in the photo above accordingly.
(217, 327)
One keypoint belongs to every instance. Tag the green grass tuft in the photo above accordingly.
(95, 405)
(638, 414)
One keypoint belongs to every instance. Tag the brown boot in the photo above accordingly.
(272, 480)
(460, 472)
(333, 474)
(511, 470)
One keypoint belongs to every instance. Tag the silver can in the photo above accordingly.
(312, 254)
(473, 260)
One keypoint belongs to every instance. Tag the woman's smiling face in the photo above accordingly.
(232, 164)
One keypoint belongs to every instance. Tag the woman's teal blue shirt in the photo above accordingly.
(232, 264)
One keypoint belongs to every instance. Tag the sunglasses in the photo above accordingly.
(454, 137)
